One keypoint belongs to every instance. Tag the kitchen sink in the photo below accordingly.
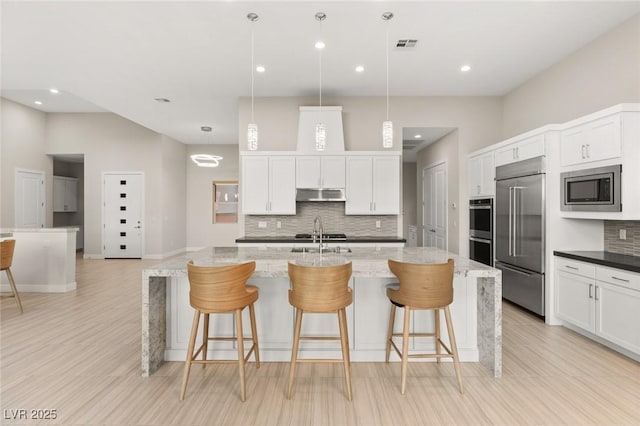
(317, 250)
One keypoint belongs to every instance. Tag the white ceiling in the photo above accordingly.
(119, 56)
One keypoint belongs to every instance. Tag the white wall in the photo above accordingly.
(409, 200)
(174, 196)
(201, 231)
(22, 146)
(603, 73)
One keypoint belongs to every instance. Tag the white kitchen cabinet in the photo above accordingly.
(520, 150)
(320, 172)
(65, 194)
(481, 175)
(373, 185)
(593, 141)
(268, 185)
(600, 300)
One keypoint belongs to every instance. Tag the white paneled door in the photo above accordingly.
(122, 215)
(434, 206)
(29, 199)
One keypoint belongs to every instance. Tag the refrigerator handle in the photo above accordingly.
(515, 220)
(510, 219)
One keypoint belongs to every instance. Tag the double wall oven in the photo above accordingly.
(481, 230)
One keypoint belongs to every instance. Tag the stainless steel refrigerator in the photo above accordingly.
(519, 228)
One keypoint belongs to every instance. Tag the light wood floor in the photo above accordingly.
(79, 353)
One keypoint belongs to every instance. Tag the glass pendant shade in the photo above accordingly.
(252, 136)
(321, 137)
(387, 134)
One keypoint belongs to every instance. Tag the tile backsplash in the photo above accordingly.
(333, 220)
(612, 241)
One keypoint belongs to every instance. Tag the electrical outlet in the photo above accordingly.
(278, 224)
(262, 224)
(623, 234)
(377, 224)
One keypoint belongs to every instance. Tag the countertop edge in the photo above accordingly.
(618, 264)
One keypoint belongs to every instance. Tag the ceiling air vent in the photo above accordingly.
(406, 43)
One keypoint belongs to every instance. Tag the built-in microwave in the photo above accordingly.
(592, 190)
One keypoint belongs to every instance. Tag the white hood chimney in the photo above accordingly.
(331, 117)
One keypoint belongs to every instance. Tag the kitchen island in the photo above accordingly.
(167, 316)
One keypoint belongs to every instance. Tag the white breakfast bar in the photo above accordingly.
(167, 316)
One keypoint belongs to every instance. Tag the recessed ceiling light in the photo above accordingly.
(260, 68)
(206, 128)
(162, 100)
(320, 45)
(359, 68)
(465, 68)
(417, 136)
(38, 102)
(54, 91)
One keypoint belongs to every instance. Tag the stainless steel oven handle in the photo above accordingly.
(479, 207)
(480, 240)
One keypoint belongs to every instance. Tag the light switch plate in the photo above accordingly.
(262, 224)
(623, 234)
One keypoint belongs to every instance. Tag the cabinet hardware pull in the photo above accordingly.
(596, 294)
(590, 286)
(588, 155)
(583, 150)
(571, 267)
(619, 279)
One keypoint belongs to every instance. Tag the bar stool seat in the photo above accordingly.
(320, 289)
(422, 287)
(6, 259)
(221, 289)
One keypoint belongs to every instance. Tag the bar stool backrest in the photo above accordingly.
(423, 286)
(220, 288)
(6, 253)
(320, 288)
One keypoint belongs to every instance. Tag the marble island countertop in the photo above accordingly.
(271, 262)
(349, 239)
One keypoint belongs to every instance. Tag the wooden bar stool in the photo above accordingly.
(6, 258)
(320, 289)
(422, 286)
(215, 290)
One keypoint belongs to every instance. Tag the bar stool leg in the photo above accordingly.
(205, 338)
(436, 318)
(254, 335)
(294, 352)
(192, 344)
(344, 340)
(454, 347)
(405, 348)
(243, 392)
(14, 289)
(392, 318)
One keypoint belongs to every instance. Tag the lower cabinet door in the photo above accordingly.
(575, 300)
(618, 315)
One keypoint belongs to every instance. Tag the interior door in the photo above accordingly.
(123, 232)
(29, 199)
(434, 207)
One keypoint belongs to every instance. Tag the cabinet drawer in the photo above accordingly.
(618, 277)
(574, 267)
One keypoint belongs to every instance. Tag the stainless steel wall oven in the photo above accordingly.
(481, 230)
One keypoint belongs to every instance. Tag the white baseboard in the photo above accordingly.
(92, 256)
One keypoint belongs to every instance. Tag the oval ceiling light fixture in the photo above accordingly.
(465, 68)
(54, 91)
(206, 160)
(359, 68)
(417, 136)
(260, 68)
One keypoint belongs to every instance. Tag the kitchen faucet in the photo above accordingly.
(318, 231)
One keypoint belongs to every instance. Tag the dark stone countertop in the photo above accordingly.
(605, 258)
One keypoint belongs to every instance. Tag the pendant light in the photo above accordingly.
(321, 131)
(252, 127)
(387, 126)
(206, 160)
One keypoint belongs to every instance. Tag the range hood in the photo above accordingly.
(320, 194)
(331, 117)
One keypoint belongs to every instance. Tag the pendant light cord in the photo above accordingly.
(252, 70)
(387, 51)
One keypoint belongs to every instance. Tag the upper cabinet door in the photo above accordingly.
(521, 150)
(308, 172)
(359, 185)
(333, 172)
(255, 185)
(386, 185)
(594, 141)
(481, 176)
(282, 185)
